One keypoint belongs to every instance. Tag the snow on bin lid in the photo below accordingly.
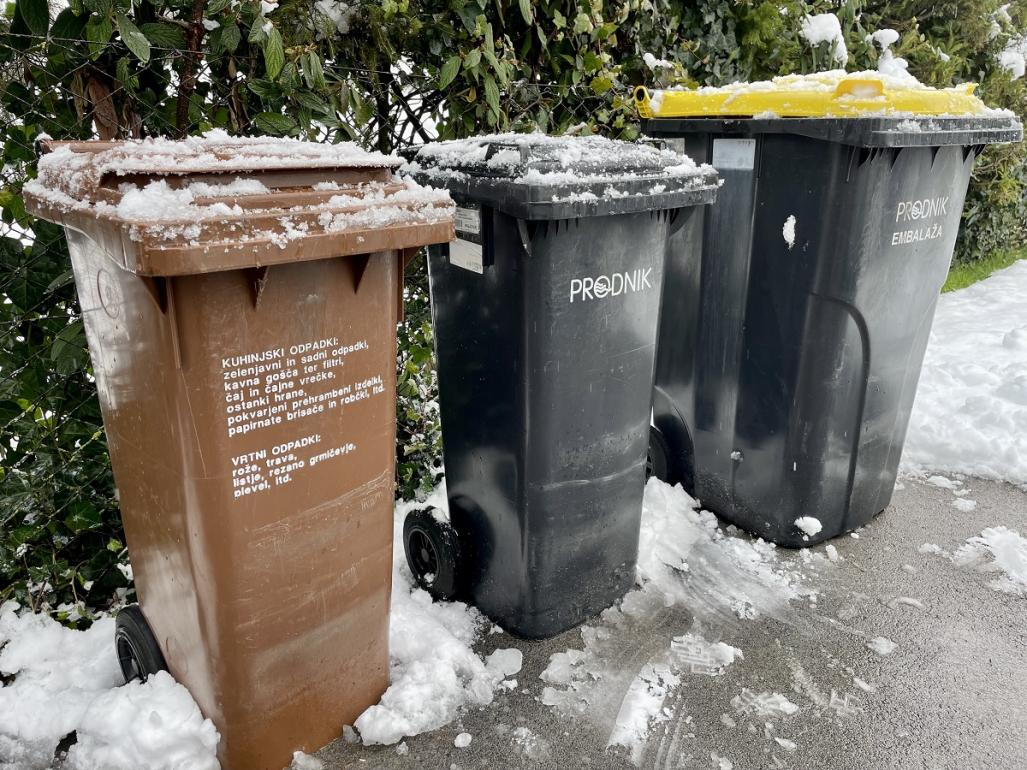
(823, 94)
(545, 177)
(203, 204)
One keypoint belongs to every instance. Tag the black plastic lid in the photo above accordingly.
(869, 131)
(533, 176)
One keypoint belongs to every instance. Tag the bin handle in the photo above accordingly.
(494, 147)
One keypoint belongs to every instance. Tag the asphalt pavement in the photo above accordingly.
(953, 693)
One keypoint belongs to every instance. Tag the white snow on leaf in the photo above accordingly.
(808, 524)
(882, 645)
(65, 680)
(997, 549)
(970, 413)
(825, 28)
(788, 230)
(434, 669)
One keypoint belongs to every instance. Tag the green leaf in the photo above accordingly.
(134, 39)
(214, 7)
(449, 71)
(82, 515)
(35, 14)
(526, 11)
(67, 26)
(68, 350)
(313, 72)
(275, 123)
(492, 95)
(230, 37)
(163, 35)
(98, 32)
(274, 53)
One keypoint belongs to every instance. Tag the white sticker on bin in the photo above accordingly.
(467, 255)
(468, 220)
(734, 153)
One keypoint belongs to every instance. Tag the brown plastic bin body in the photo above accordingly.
(250, 413)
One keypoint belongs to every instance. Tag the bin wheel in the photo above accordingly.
(138, 652)
(657, 461)
(432, 549)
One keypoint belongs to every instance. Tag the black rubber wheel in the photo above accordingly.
(657, 461)
(138, 652)
(432, 549)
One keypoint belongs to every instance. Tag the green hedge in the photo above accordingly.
(375, 72)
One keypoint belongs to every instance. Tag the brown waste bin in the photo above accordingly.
(240, 299)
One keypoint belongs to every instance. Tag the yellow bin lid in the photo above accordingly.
(824, 94)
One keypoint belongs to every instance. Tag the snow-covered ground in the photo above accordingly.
(970, 414)
(970, 418)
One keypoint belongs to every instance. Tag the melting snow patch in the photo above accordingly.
(685, 560)
(997, 549)
(463, 740)
(641, 708)
(765, 704)
(882, 645)
(964, 505)
(302, 761)
(942, 482)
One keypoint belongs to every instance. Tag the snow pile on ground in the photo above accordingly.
(435, 672)
(825, 28)
(970, 414)
(685, 558)
(635, 655)
(65, 681)
(997, 549)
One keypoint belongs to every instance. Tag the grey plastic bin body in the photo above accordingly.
(786, 373)
(545, 338)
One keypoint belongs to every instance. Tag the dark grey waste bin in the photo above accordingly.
(546, 312)
(791, 345)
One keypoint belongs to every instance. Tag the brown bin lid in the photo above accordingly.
(162, 207)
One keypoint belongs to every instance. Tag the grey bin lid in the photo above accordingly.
(538, 177)
(860, 131)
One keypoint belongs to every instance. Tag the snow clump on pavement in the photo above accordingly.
(882, 645)
(808, 524)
